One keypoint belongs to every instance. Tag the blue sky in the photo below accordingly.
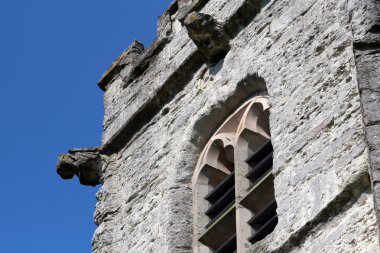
(52, 54)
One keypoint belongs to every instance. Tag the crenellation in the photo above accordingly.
(123, 65)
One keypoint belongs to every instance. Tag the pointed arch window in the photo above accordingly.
(233, 184)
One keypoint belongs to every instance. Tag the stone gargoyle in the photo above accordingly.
(86, 163)
(208, 35)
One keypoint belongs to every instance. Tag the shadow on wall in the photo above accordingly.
(204, 128)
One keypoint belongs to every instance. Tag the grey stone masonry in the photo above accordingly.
(366, 29)
(316, 60)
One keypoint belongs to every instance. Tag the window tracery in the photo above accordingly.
(234, 199)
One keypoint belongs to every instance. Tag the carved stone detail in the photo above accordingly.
(86, 163)
(225, 154)
(208, 35)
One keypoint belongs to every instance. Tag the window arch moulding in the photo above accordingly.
(233, 192)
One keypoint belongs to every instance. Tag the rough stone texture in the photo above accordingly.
(173, 65)
(304, 54)
(366, 28)
(123, 65)
(346, 232)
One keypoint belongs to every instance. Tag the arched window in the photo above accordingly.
(234, 200)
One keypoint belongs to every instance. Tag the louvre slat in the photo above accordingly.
(262, 152)
(259, 170)
(229, 246)
(219, 215)
(262, 217)
(264, 230)
(221, 188)
(222, 202)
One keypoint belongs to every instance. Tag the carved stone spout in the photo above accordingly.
(208, 35)
(86, 163)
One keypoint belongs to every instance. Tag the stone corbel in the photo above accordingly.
(85, 163)
(208, 35)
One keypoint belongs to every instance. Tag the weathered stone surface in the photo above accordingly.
(179, 54)
(367, 51)
(305, 55)
(348, 231)
(164, 25)
(373, 137)
(123, 65)
(145, 59)
(365, 22)
(371, 107)
(187, 6)
(85, 163)
(315, 104)
(208, 35)
(369, 64)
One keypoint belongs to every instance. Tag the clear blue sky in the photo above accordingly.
(52, 54)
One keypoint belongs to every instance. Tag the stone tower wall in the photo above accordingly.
(318, 62)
